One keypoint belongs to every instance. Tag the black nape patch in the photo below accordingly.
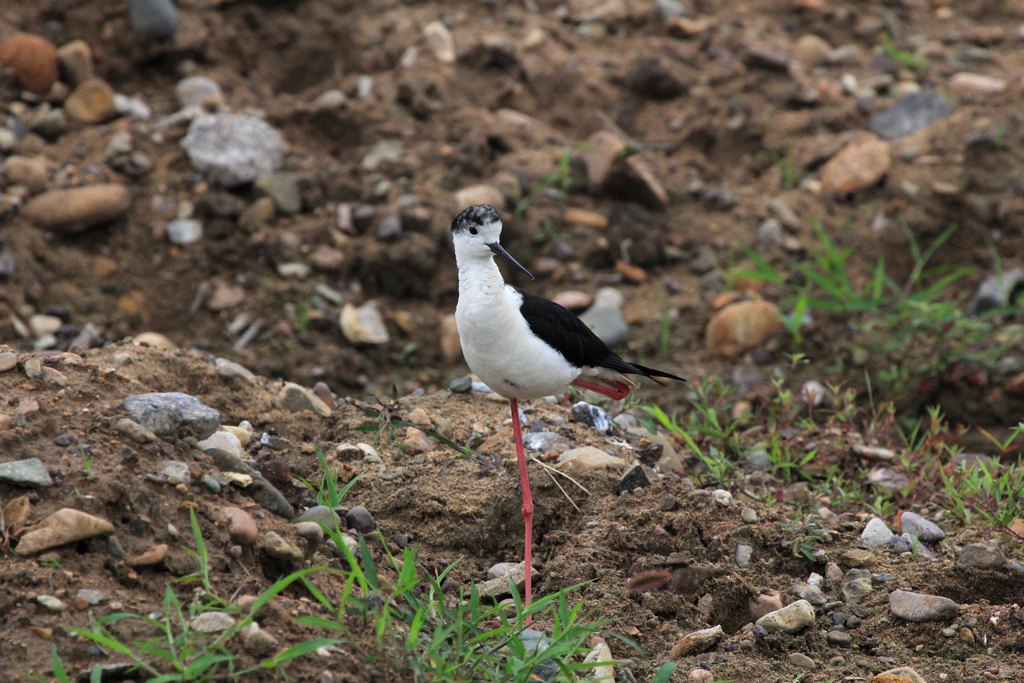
(477, 215)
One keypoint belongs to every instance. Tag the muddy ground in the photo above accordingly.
(730, 123)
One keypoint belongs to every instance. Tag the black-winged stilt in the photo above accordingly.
(523, 346)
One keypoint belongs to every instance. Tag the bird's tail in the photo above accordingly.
(656, 375)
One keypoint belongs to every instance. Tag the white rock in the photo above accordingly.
(363, 325)
(875, 534)
(223, 441)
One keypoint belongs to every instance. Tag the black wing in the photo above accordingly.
(563, 331)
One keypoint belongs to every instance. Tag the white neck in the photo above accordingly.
(479, 277)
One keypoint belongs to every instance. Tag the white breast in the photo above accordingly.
(500, 348)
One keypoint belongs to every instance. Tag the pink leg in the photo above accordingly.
(524, 480)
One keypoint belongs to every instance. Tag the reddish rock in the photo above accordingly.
(33, 59)
(242, 529)
(742, 326)
(860, 164)
(76, 209)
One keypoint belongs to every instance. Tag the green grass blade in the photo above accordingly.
(296, 651)
(58, 666)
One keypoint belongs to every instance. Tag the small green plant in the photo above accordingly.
(328, 493)
(786, 463)
(903, 57)
(987, 489)
(804, 537)
(177, 651)
(50, 562)
(787, 166)
(434, 637)
(385, 422)
(708, 422)
(83, 450)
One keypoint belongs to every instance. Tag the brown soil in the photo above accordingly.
(715, 146)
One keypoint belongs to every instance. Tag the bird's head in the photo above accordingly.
(476, 231)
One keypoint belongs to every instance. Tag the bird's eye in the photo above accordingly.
(473, 231)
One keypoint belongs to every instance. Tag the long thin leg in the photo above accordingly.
(524, 480)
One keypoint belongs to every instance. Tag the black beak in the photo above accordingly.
(500, 251)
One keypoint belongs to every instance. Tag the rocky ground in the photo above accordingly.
(248, 204)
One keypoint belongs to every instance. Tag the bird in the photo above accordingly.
(524, 346)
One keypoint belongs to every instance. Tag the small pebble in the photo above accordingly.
(184, 231)
(153, 18)
(840, 638)
(51, 603)
(360, 519)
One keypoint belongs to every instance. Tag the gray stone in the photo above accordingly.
(173, 413)
(743, 555)
(212, 622)
(981, 556)
(591, 415)
(175, 472)
(269, 498)
(233, 149)
(153, 18)
(856, 585)
(789, 619)
(195, 91)
(811, 593)
(231, 369)
(840, 638)
(722, 497)
(321, 514)
(211, 484)
(920, 607)
(360, 519)
(748, 515)
(912, 113)
(258, 642)
(801, 660)
(546, 441)
(461, 385)
(757, 458)
(604, 317)
(875, 534)
(906, 543)
(918, 526)
(634, 478)
(184, 231)
(501, 570)
(28, 472)
(283, 190)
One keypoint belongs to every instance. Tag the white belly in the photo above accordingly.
(501, 350)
